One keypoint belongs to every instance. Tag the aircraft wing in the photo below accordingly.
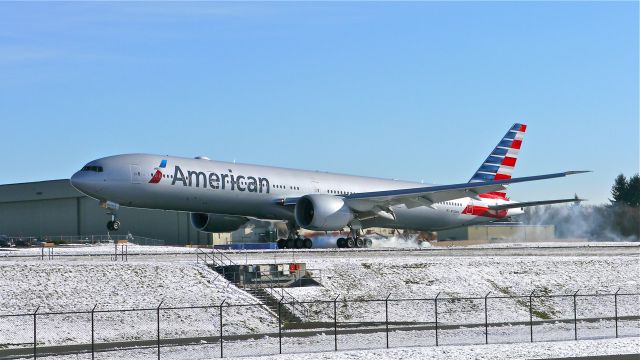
(426, 196)
(534, 203)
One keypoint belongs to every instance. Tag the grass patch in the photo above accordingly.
(541, 314)
(523, 302)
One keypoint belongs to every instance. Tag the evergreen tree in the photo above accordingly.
(633, 191)
(619, 190)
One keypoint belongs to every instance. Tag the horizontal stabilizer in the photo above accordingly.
(534, 203)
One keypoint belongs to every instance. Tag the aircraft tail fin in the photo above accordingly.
(502, 160)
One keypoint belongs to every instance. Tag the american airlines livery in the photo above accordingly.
(223, 196)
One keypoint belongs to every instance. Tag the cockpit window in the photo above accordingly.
(92, 168)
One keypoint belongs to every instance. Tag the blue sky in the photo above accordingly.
(416, 91)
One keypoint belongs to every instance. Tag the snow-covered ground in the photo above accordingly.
(407, 276)
(169, 274)
(538, 350)
(58, 286)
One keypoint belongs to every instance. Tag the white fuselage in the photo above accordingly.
(207, 186)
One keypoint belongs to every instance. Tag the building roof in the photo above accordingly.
(39, 190)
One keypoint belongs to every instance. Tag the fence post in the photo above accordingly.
(615, 299)
(486, 320)
(158, 328)
(435, 302)
(35, 328)
(280, 323)
(386, 317)
(531, 315)
(335, 322)
(93, 339)
(575, 317)
(221, 351)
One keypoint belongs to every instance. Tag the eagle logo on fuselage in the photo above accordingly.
(158, 175)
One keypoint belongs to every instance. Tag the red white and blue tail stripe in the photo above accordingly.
(500, 164)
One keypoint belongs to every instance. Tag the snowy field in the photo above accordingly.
(413, 276)
(58, 286)
(170, 275)
(539, 350)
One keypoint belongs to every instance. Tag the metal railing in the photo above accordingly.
(225, 327)
(213, 257)
(217, 259)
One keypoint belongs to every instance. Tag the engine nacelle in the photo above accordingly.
(216, 223)
(322, 212)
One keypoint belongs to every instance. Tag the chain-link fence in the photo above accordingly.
(325, 325)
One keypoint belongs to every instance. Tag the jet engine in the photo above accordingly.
(216, 223)
(322, 212)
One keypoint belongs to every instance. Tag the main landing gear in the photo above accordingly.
(354, 242)
(295, 241)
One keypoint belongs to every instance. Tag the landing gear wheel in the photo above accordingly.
(110, 225)
(307, 243)
(341, 242)
(350, 243)
(359, 242)
(115, 226)
(282, 244)
(299, 243)
(368, 243)
(290, 244)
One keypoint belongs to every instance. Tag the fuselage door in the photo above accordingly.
(136, 174)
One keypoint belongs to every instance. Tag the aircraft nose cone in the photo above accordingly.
(83, 182)
(76, 180)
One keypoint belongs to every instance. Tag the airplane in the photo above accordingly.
(223, 196)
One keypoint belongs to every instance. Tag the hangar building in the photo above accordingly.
(500, 232)
(52, 208)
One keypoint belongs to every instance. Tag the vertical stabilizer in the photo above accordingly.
(502, 160)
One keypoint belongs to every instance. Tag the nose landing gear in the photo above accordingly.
(114, 224)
